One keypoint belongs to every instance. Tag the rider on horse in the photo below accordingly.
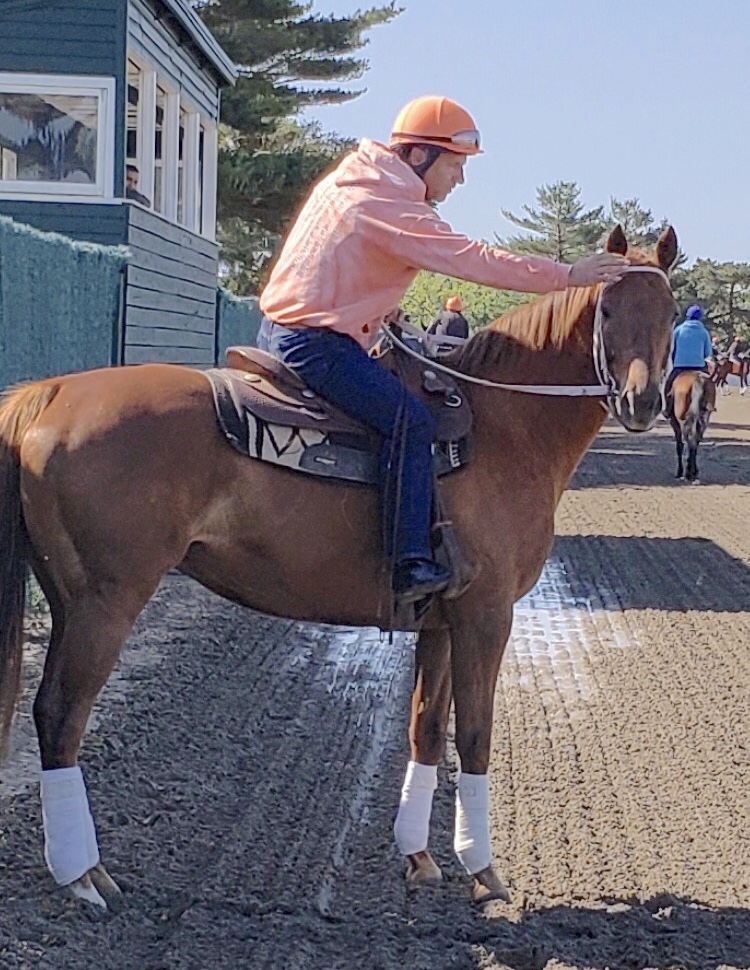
(737, 349)
(450, 322)
(365, 231)
(691, 348)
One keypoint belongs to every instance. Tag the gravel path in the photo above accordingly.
(244, 771)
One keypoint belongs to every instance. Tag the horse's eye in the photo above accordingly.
(605, 313)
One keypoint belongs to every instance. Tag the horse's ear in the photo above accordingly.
(617, 243)
(666, 249)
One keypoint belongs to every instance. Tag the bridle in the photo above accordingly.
(604, 388)
(599, 351)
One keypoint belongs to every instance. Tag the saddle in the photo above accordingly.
(266, 411)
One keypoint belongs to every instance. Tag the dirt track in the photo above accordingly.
(246, 808)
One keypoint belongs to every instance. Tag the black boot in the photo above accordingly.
(413, 579)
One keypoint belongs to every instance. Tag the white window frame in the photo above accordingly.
(210, 165)
(150, 78)
(101, 88)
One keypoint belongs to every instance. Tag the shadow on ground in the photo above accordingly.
(617, 459)
(643, 573)
(663, 933)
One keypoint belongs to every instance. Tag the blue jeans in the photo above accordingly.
(340, 371)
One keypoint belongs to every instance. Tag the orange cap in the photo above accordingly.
(434, 120)
(454, 303)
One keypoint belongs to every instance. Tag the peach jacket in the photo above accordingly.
(361, 238)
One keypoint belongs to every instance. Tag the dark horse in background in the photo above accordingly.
(110, 478)
(692, 401)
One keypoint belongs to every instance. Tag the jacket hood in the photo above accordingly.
(375, 166)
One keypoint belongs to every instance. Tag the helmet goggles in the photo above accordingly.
(467, 141)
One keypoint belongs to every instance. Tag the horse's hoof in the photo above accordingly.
(488, 887)
(422, 870)
(95, 886)
(104, 882)
(84, 889)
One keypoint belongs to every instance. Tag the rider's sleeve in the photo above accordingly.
(673, 347)
(423, 241)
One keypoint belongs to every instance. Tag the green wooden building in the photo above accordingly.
(108, 134)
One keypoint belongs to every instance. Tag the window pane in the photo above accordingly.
(201, 142)
(181, 168)
(131, 109)
(161, 106)
(49, 137)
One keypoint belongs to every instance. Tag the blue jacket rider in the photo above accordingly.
(691, 345)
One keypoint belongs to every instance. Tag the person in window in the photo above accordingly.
(450, 322)
(363, 234)
(131, 187)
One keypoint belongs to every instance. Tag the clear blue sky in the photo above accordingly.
(648, 99)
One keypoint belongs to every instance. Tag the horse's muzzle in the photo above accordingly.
(637, 411)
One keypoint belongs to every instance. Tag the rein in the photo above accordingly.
(607, 382)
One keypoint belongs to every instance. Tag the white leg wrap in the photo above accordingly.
(472, 834)
(70, 845)
(412, 825)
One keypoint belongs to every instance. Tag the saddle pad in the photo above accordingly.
(300, 442)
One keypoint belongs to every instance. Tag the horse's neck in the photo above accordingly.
(555, 430)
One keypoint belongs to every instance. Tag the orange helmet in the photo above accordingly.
(454, 303)
(433, 120)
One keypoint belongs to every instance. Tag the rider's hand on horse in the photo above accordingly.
(599, 268)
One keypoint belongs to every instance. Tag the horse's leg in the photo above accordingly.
(678, 442)
(691, 472)
(478, 647)
(430, 706)
(86, 641)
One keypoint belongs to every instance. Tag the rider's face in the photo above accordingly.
(445, 173)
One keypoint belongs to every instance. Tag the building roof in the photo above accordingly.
(202, 37)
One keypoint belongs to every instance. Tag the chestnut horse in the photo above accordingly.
(692, 401)
(726, 368)
(109, 478)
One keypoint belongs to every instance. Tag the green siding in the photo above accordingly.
(69, 37)
(159, 43)
(170, 293)
(170, 297)
(105, 224)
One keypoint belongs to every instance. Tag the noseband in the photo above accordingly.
(604, 388)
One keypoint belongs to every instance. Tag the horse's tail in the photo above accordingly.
(702, 405)
(18, 411)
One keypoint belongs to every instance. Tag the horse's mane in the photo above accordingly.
(546, 322)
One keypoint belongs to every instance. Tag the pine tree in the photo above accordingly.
(558, 227)
(637, 223)
(288, 59)
(723, 290)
